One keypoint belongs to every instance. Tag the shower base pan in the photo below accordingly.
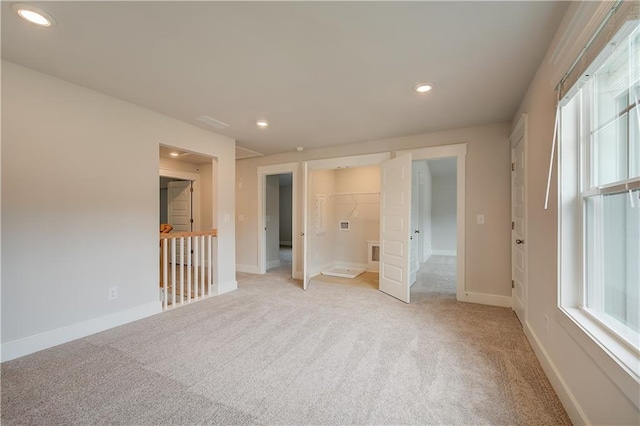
(343, 272)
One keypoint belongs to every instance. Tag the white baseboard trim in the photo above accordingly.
(444, 252)
(488, 299)
(575, 412)
(48, 339)
(248, 269)
(227, 287)
(273, 264)
(427, 255)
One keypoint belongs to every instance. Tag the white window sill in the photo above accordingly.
(615, 357)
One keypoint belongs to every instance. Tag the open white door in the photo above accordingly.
(415, 231)
(518, 240)
(305, 224)
(395, 227)
(179, 206)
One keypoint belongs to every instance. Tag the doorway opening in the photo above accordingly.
(176, 204)
(187, 240)
(344, 217)
(444, 244)
(433, 243)
(279, 223)
(278, 229)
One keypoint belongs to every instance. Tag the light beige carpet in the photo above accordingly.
(271, 353)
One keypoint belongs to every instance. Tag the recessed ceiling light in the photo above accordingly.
(262, 123)
(424, 87)
(33, 15)
(174, 154)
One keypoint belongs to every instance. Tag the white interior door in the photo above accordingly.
(179, 206)
(305, 226)
(395, 227)
(518, 262)
(415, 231)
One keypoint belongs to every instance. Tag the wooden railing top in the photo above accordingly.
(213, 233)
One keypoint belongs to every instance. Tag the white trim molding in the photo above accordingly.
(263, 172)
(247, 269)
(569, 402)
(487, 299)
(460, 152)
(48, 339)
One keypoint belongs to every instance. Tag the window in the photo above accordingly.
(611, 153)
(600, 192)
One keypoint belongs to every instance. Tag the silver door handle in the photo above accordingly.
(519, 241)
(417, 231)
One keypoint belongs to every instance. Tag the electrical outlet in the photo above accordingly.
(355, 213)
(480, 219)
(113, 293)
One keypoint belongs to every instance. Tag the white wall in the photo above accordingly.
(577, 372)
(207, 185)
(488, 264)
(80, 208)
(285, 214)
(443, 211)
(351, 246)
(272, 221)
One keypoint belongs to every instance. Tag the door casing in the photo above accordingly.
(460, 152)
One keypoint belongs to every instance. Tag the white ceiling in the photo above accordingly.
(322, 73)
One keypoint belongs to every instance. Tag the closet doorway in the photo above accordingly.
(277, 221)
(434, 225)
(448, 239)
(341, 218)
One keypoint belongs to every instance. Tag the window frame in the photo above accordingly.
(616, 353)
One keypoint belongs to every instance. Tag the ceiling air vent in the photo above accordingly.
(212, 122)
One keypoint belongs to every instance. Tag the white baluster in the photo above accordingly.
(188, 269)
(210, 266)
(173, 272)
(196, 251)
(165, 277)
(182, 257)
(202, 266)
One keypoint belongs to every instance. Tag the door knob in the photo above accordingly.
(519, 241)
(302, 234)
(417, 231)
